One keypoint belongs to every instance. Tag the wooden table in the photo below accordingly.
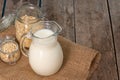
(92, 23)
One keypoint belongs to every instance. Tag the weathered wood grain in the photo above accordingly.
(93, 29)
(86, 22)
(1, 6)
(115, 17)
(62, 12)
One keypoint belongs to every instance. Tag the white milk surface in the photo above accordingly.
(45, 55)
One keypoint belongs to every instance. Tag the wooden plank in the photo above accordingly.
(93, 30)
(115, 16)
(14, 4)
(62, 12)
(1, 6)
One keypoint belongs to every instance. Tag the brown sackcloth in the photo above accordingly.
(79, 63)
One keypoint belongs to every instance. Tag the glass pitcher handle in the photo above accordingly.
(24, 51)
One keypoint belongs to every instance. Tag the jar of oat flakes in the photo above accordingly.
(28, 15)
(9, 51)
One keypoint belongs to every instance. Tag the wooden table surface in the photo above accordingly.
(92, 23)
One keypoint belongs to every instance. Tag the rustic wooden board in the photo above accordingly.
(86, 22)
(115, 16)
(1, 6)
(14, 4)
(62, 12)
(93, 29)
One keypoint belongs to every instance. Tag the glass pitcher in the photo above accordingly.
(45, 53)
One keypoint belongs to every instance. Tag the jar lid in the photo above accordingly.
(7, 38)
(30, 10)
(6, 21)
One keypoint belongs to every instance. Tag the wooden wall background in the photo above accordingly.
(92, 23)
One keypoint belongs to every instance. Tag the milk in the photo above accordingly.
(45, 53)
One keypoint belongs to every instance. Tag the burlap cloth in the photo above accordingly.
(79, 63)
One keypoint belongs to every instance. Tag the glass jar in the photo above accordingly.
(28, 15)
(9, 51)
(6, 21)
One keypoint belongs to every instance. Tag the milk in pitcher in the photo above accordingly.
(45, 53)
